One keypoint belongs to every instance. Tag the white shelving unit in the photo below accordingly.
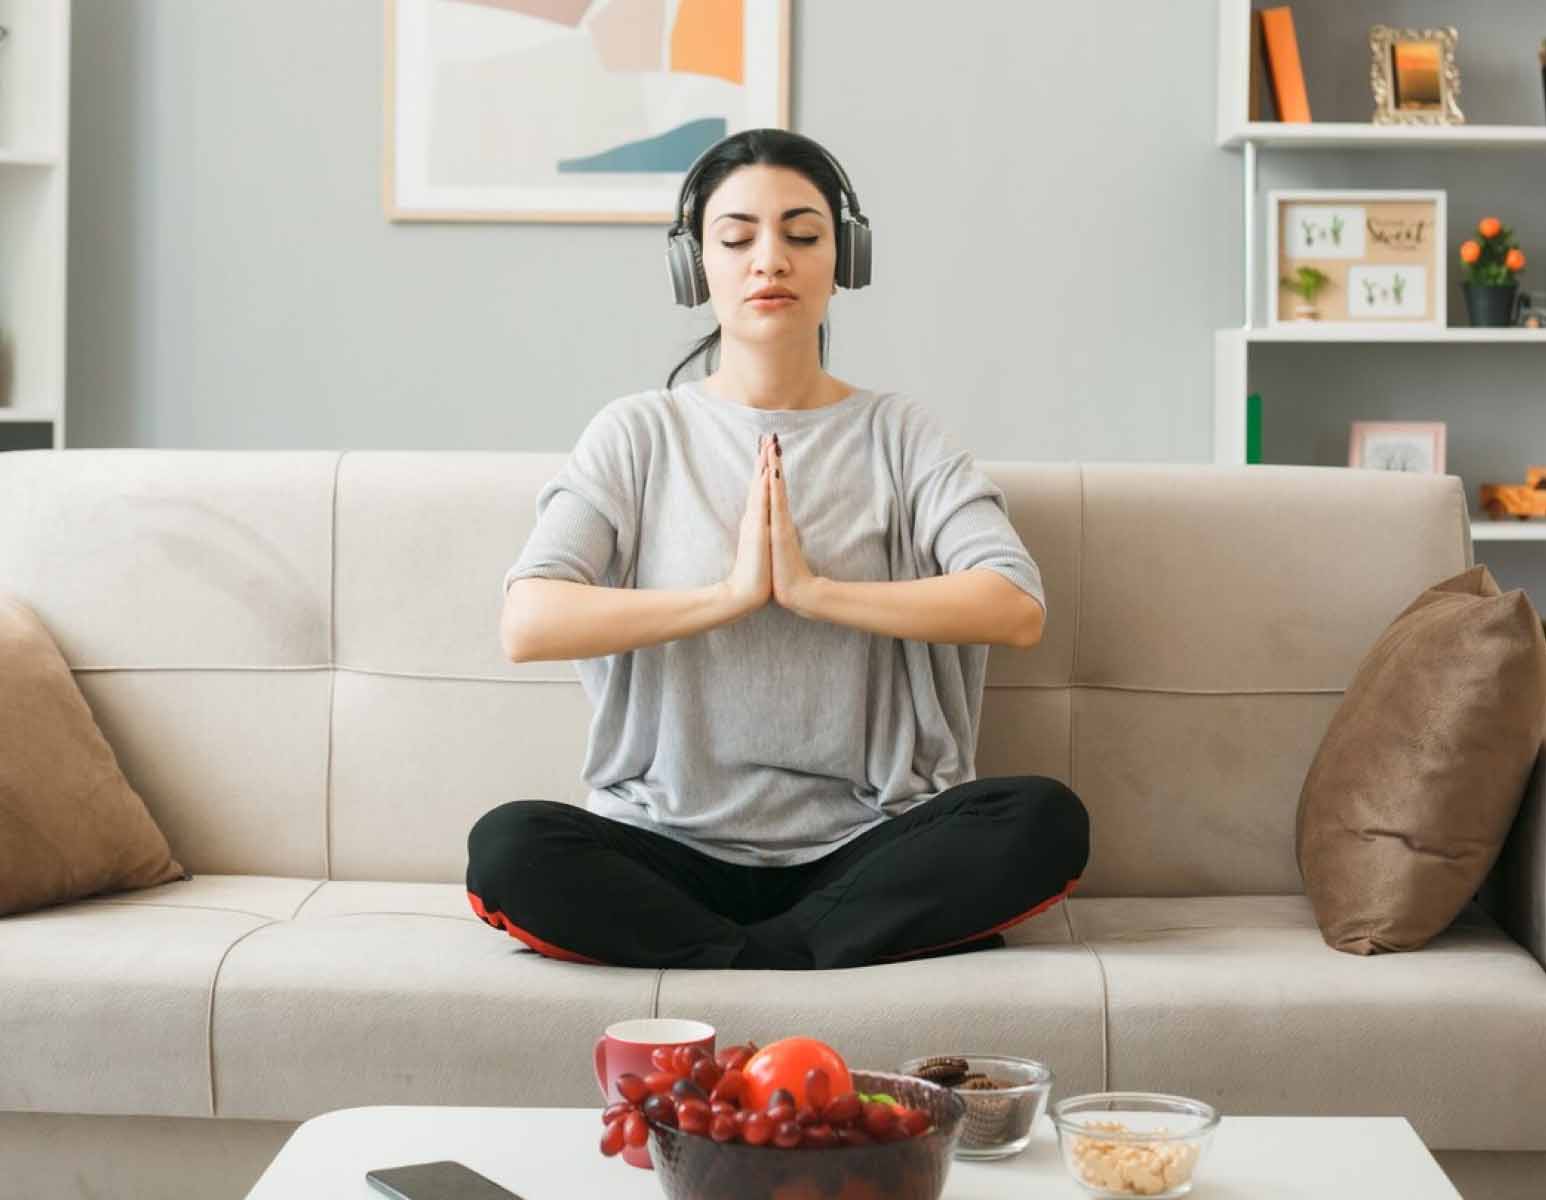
(1232, 347)
(34, 211)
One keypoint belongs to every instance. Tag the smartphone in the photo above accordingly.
(436, 1181)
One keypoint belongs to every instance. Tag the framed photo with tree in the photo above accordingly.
(1397, 446)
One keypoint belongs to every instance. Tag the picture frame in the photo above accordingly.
(1382, 254)
(1414, 77)
(1417, 446)
(568, 111)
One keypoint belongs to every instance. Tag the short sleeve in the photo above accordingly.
(586, 513)
(960, 518)
(571, 541)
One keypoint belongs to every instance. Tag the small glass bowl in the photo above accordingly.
(1156, 1153)
(998, 1123)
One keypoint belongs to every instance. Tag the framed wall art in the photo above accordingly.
(570, 110)
(1413, 75)
(1397, 446)
(1356, 259)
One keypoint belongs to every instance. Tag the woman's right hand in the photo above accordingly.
(750, 583)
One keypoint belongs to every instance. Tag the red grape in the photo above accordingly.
(806, 1115)
(731, 1087)
(659, 1081)
(661, 1057)
(787, 1135)
(818, 1136)
(879, 1119)
(853, 1136)
(681, 1059)
(779, 1113)
(723, 1107)
(723, 1128)
(706, 1073)
(843, 1110)
(780, 1096)
(636, 1130)
(758, 1129)
(661, 1109)
(614, 1111)
(818, 1088)
(632, 1088)
(693, 1116)
(914, 1121)
(685, 1088)
(735, 1057)
(612, 1138)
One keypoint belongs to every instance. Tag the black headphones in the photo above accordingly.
(684, 257)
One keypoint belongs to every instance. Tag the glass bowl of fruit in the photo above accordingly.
(791, 1120)
(1120, 1144)
(1004, 1098)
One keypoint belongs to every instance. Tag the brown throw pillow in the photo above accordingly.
(70, 824)
(1423, 767)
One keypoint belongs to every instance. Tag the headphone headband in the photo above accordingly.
(684, 256)
(850, 197)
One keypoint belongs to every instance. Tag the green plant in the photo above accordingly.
(1307, 283)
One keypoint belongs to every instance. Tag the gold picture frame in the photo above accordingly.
(1414, 76)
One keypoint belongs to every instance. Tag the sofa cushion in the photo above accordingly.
(104, 1004)
(392, 993)
(1420, 774)
(70, 824)
(1040, 996)
(1239, 1002)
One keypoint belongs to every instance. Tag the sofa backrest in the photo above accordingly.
(295, 654)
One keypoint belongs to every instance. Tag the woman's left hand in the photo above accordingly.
(792, 575)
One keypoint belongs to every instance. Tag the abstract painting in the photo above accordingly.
(570, 110)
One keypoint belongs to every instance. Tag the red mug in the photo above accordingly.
(625, 1050)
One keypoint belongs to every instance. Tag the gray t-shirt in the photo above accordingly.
(773, 740)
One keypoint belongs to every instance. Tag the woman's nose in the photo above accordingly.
(770, 255)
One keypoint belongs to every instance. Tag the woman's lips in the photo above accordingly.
(772, 301)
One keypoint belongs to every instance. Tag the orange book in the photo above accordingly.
(1283, 62)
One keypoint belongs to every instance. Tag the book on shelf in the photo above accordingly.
(1260, 104)
(1253, 428)
(1283, 64)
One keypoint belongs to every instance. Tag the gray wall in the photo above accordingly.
(1057, 240)
(234, 282)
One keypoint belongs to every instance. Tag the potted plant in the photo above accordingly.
(1492, 266)
(1306, 284)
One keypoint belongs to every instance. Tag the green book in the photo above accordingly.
(1253, 428)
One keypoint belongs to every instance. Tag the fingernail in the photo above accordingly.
(777, 449)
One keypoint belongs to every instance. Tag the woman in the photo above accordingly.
(779, 589)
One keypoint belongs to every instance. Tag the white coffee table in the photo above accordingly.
(551, 1154)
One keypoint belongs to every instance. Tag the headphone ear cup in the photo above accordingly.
(689, 284)
(853, 254)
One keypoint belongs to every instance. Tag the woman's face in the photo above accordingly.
(763, 227)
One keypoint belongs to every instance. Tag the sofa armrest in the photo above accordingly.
(1515, 892)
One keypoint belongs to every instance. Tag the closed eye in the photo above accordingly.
(744, 241)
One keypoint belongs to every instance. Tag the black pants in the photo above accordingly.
(951, 872)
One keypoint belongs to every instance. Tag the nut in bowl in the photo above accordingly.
(1004, 1097)
(1121, 1144)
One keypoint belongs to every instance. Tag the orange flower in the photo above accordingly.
(1515, 260)
(1470, 251)
(1489, 227)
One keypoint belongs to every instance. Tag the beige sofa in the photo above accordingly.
(295, 656)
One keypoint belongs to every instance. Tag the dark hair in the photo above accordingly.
(772, 147)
